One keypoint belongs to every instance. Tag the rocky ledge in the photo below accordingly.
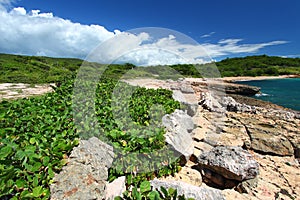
(232, 150)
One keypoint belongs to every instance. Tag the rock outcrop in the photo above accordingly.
(85, 175)
(221, 104)
(219, 85)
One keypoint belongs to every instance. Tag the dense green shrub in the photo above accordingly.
(38, 133)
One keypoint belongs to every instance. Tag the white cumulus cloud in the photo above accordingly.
(38, 33)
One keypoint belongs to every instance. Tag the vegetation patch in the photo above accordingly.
(37, 134)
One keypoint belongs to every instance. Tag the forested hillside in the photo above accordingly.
(259, 65)
(38, 69)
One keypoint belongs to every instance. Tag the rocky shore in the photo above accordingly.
(234, 148)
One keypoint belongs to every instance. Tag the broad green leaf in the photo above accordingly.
(37, 191)
(135, 194)
(32, 140)
(46, 160)
(5, 152)
(164, 191)
(154, 195)
(20, 183)
(145, 186)
(171, 191)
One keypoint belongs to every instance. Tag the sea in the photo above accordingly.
(284, 92)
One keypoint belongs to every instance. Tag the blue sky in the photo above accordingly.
(248, 27)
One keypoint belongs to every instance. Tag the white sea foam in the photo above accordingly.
(261, 95)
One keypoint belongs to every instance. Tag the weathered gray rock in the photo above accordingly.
(178, 118)
(189, 191)
(247, 186)
(231, 105)
(201, 147)
(178, 125)
(115, 188)
(212, 103)
(85, 175)
(186, 89)
(189, 100)
(222, 104)
(232, 163)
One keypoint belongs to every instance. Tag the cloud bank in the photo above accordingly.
(37, 33)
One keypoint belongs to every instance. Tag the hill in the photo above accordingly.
(259, 65)
(39, 69)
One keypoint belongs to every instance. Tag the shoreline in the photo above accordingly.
(256, 78)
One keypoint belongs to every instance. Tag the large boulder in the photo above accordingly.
(178, 126)
(85, 175)
(227, 162)
(189, 191)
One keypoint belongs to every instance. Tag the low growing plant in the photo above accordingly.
(145, 192)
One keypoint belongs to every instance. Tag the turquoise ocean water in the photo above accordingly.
(284, 92)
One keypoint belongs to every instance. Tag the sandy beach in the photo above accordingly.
(255, 78)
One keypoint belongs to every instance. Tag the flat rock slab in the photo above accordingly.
(270, 142)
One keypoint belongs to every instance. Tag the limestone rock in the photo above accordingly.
(271, 144)
(78, 181)
(279, 178)
(212, 103)
(268, 139)
(230, 88)
(231, 105)
(230, 162)
(85, 175)
(234, 195)
(178, 126)
(178, 118)
(201, 147)
(189, 191)
(184, 88)
(187, 175)
(241, 89)
(93, 152)
(115, 188)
